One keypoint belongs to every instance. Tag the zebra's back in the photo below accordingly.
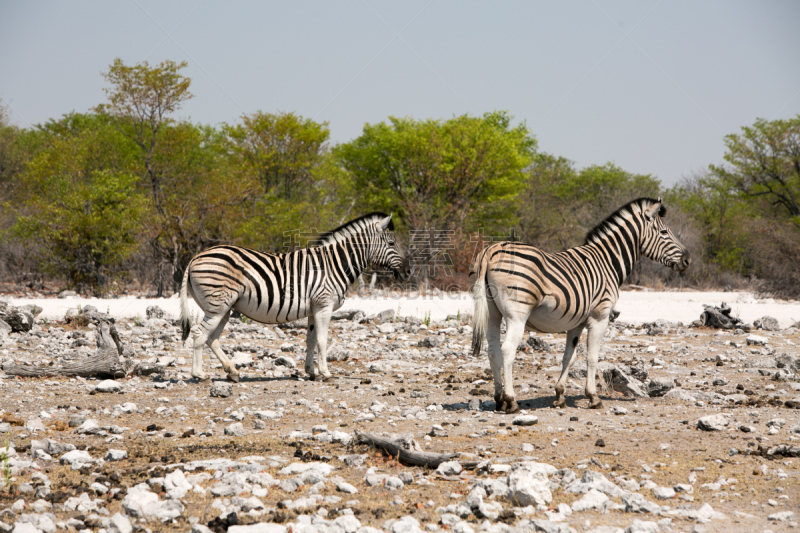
(269, 288)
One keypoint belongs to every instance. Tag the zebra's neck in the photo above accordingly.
(350, 256)
(619, 247)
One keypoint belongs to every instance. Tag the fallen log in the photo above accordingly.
(407, 451)
(105, 363)
(719, 317)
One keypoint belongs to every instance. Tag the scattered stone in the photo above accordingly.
(221, 389)
(767, 323)
(449, 468)
(108, 385)
(528, 484)
(657, 387)
(594, 499)
(757, 340)
(236, 430)
(430, 342)
(285, 360)
(538, 344)
(116, 455)
(664, 493)
(525, 420)
(154, 311)
(713, 423)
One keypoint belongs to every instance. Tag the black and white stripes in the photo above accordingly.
(276, 288)
(566, 291)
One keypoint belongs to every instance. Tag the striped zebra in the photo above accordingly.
(280, 287)
(566, 291)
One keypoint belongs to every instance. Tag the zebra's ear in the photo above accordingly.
(654, 210)
(383, 224)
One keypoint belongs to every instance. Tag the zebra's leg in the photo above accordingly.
(201, 335)
(213, 343)
(321, 320)
(573, 336)
(495, 356)
(311, 346)
(597, 329)
(515, 329)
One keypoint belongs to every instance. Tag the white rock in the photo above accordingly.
(525, 420)
(785, 516)
(528, 484)
(116, 455)
(89, 427)
(713, 423)
(236, 430)
(594, 499)
(25, 527)
(119, 523)
(176, 484)
(128, 408)
(757, 340)
(386, 328)
(76, 456)
(108, 385)
(140, 502)
(341, 437)
(449, 468)
(664, 493)
(268, 415)
(346, 488)
(593, 480)
(298, 468)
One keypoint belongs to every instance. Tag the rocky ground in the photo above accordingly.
(699, 432)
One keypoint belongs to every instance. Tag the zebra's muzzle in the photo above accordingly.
(684, 262)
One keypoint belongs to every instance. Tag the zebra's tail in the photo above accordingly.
(186, 322)
(480, 316)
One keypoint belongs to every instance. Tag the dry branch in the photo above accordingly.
(407, 451)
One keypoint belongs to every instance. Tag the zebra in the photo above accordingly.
(566, 291)
(274, 288)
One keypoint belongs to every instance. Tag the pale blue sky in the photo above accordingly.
(651, 86)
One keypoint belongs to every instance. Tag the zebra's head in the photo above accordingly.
(387, 253)
(658, 241)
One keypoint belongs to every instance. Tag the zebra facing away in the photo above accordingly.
(277, 288)
(566, 291)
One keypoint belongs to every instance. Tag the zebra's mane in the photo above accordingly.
(614, 219)
(349, 228)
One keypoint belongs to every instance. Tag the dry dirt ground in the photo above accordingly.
(389, 382)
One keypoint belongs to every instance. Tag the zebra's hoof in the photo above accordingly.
(500, 407)
(596, 403)
(559, 403)
(512, 407)
(233, 377)
(201, 377)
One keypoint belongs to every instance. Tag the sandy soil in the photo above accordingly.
(654, 441)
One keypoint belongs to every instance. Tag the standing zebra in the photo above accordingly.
(566, 291)
(276, 288)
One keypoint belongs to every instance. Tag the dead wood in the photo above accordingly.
(105, 363)
(719, 317)
(407, 451)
